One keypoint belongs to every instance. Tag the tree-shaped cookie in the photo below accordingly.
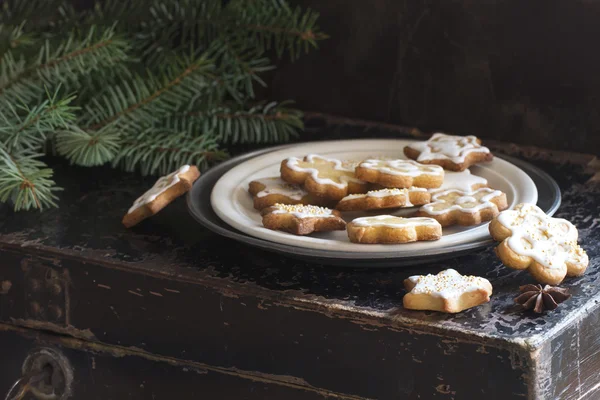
(448, 291)
(455, 207)
(400, 173)
(455, 153)
(321, 176)
(545, 246)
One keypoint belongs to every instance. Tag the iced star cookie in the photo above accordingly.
(269, 191)
(388, 229)
(323, 177)
(165, 190)
(545, 246)
(301, 219)
(455, 153)
(400, 173)
(384, 198)
(448, 291)
(455, 207)
(464, 181)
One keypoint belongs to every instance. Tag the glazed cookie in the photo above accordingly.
(302, 219)
(464, 181)
(455, 207)
(387, 229)
(455, 153)
(385, 198)
(400, 173)
(165, 190)
(323, 177)
(448, 291)
(269, 191)
(545, 246)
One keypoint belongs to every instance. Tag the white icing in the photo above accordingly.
(448, 147)
(331, 166)
(161, 185)
(449, 200)
(303, 211)
(447, 284)
(391, 221)
(402, 167)
(463, 180)
(386, 193)
(552, 242)
(277, 185)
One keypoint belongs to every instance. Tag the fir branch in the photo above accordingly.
(26, 181)
(87, 149)
(159, 153)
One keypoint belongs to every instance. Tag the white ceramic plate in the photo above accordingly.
(233, 204)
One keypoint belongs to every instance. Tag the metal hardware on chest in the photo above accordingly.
(46, 291)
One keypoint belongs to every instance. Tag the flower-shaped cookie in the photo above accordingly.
(302, 219)
(464, 208)
(324, 177)
(455, 153)
(448, 291)
(400, 173)
(269, 191)
(388, 229)
(545, 246)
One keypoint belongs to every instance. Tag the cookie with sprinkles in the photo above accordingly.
(385, 198)
(455, 207)
(269, 191)
(165, 190)
(301, 219)
(448, 292)
(389, 229)
(533, 241)
(454, 153)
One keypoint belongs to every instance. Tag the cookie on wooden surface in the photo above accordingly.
(165, 190)
(269, 191)
(324, 177)
(400, 173)
(455, 153)
(389, 229)
(448, 292)
(385, 198)
(455, 207)
(545, 246)
(301, 219)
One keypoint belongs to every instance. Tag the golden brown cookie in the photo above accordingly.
(385, 198)
(545, 246)
(269, 191)
(165, 190)
(321, 176)
(388, 229)
(455, 153)
(302, 219)
(455, 207)
(400, 173)
(448, 291)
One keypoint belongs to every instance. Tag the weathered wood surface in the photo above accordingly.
(168, 288)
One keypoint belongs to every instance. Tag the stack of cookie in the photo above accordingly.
(311, 193)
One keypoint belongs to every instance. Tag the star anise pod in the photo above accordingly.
(539, 299)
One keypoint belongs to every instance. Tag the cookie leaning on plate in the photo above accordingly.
(269, 191)
(321, 176)
(545, 246)
(165, 190)
(455, 153)
(302, 219)
(455, 207)
(388, 229)
(384, 198)
(448, 291)
(400, 173)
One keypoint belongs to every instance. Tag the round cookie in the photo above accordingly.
(388, 229)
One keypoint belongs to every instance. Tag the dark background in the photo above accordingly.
(524, 71)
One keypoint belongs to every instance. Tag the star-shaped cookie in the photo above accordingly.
(545, 246)
(448, 291)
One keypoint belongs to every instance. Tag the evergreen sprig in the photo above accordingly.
(146, 85)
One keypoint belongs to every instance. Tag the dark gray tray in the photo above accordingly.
(198, 202)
